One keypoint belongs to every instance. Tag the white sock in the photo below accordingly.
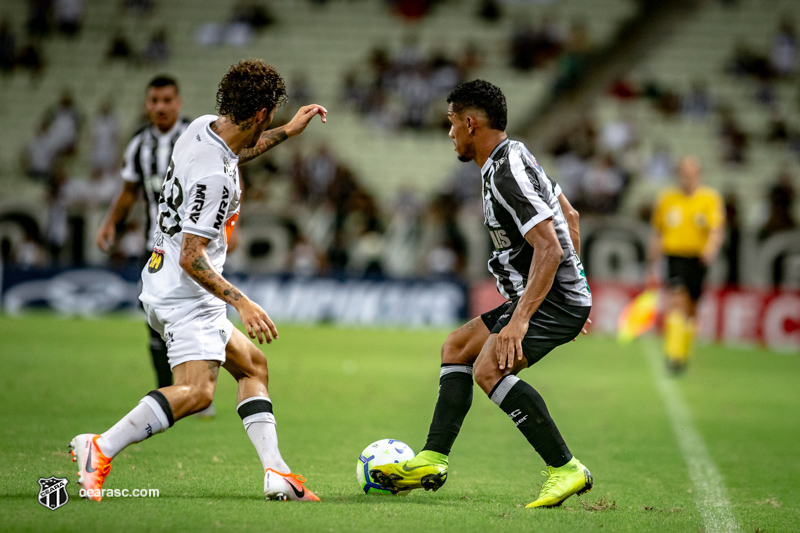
(261, 428)
(144, 421)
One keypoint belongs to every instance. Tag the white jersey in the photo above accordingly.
(201, 196)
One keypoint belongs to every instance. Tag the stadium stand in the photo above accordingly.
(321, 42)
(318, 42)
(701, 51)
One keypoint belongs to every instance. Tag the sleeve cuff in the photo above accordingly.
(544, 215)
(202, 232)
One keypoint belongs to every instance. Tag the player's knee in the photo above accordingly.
(453, 349)
(253, 367)
(204, 395)
(259, 368)
(485, 377)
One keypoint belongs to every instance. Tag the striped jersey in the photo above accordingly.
(146, 162)
(518, 195)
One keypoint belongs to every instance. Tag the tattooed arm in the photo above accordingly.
(194, 261)
(272, 138)
(268, 140)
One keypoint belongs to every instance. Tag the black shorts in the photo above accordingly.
(553, 324)
(688, 272)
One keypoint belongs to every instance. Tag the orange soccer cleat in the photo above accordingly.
(93, 466)
(283, 487)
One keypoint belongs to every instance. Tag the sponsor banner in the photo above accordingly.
(82, 292)
(732, 316)
(409, 303)
(406, 303)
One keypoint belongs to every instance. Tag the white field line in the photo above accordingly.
(710, 493)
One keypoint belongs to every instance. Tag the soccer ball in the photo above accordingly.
(380, 453)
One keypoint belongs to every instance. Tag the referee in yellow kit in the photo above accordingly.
(688, 224)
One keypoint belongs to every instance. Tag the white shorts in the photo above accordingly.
(198, 331)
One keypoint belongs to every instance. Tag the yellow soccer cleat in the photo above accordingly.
(411, 474)
(563, 482)
(93, 466)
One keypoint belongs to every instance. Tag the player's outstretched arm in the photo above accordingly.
(195, 262)
(272, 138)
(547, 255)
(118, 212)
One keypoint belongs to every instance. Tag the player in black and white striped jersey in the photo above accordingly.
(536, 263)
(146, 162)
(518, 194)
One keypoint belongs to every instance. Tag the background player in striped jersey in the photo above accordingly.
(146, 160)
(536, 238)
(185, 293)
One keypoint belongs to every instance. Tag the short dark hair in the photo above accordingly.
(162, 80)
(249, 86)
(483, 96)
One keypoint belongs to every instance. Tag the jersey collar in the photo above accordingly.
(489, 161)
(218, 139)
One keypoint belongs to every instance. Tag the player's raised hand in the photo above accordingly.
(257, 322)
(508, 347)
(303, 117)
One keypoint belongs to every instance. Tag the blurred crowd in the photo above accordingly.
(50, 19)
(48, 156)
(337, 227)
(334, 223)
(765, 71)
(399, 89)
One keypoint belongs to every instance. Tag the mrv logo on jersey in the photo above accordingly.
(223, 208)
(198, 203)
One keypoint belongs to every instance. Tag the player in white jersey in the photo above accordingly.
(185, 294)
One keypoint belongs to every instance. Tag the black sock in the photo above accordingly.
(526, 408)
(158, 349)
(452, 405)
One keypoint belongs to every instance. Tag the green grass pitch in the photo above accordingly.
(337, 390)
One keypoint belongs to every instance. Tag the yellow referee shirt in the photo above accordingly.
(684, 222)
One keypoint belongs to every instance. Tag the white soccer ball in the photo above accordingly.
(380, 453)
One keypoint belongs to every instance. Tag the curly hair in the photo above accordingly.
(249, 86)
(483, 96)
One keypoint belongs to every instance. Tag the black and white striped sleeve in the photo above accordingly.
(515, 191)
(129, 164)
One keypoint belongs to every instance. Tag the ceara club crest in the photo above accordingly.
(53, 492)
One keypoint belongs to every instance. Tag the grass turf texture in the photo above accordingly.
(337, 390)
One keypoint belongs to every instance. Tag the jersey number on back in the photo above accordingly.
(169, 221)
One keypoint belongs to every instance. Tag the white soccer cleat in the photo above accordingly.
(283, 487)
(93, 466)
